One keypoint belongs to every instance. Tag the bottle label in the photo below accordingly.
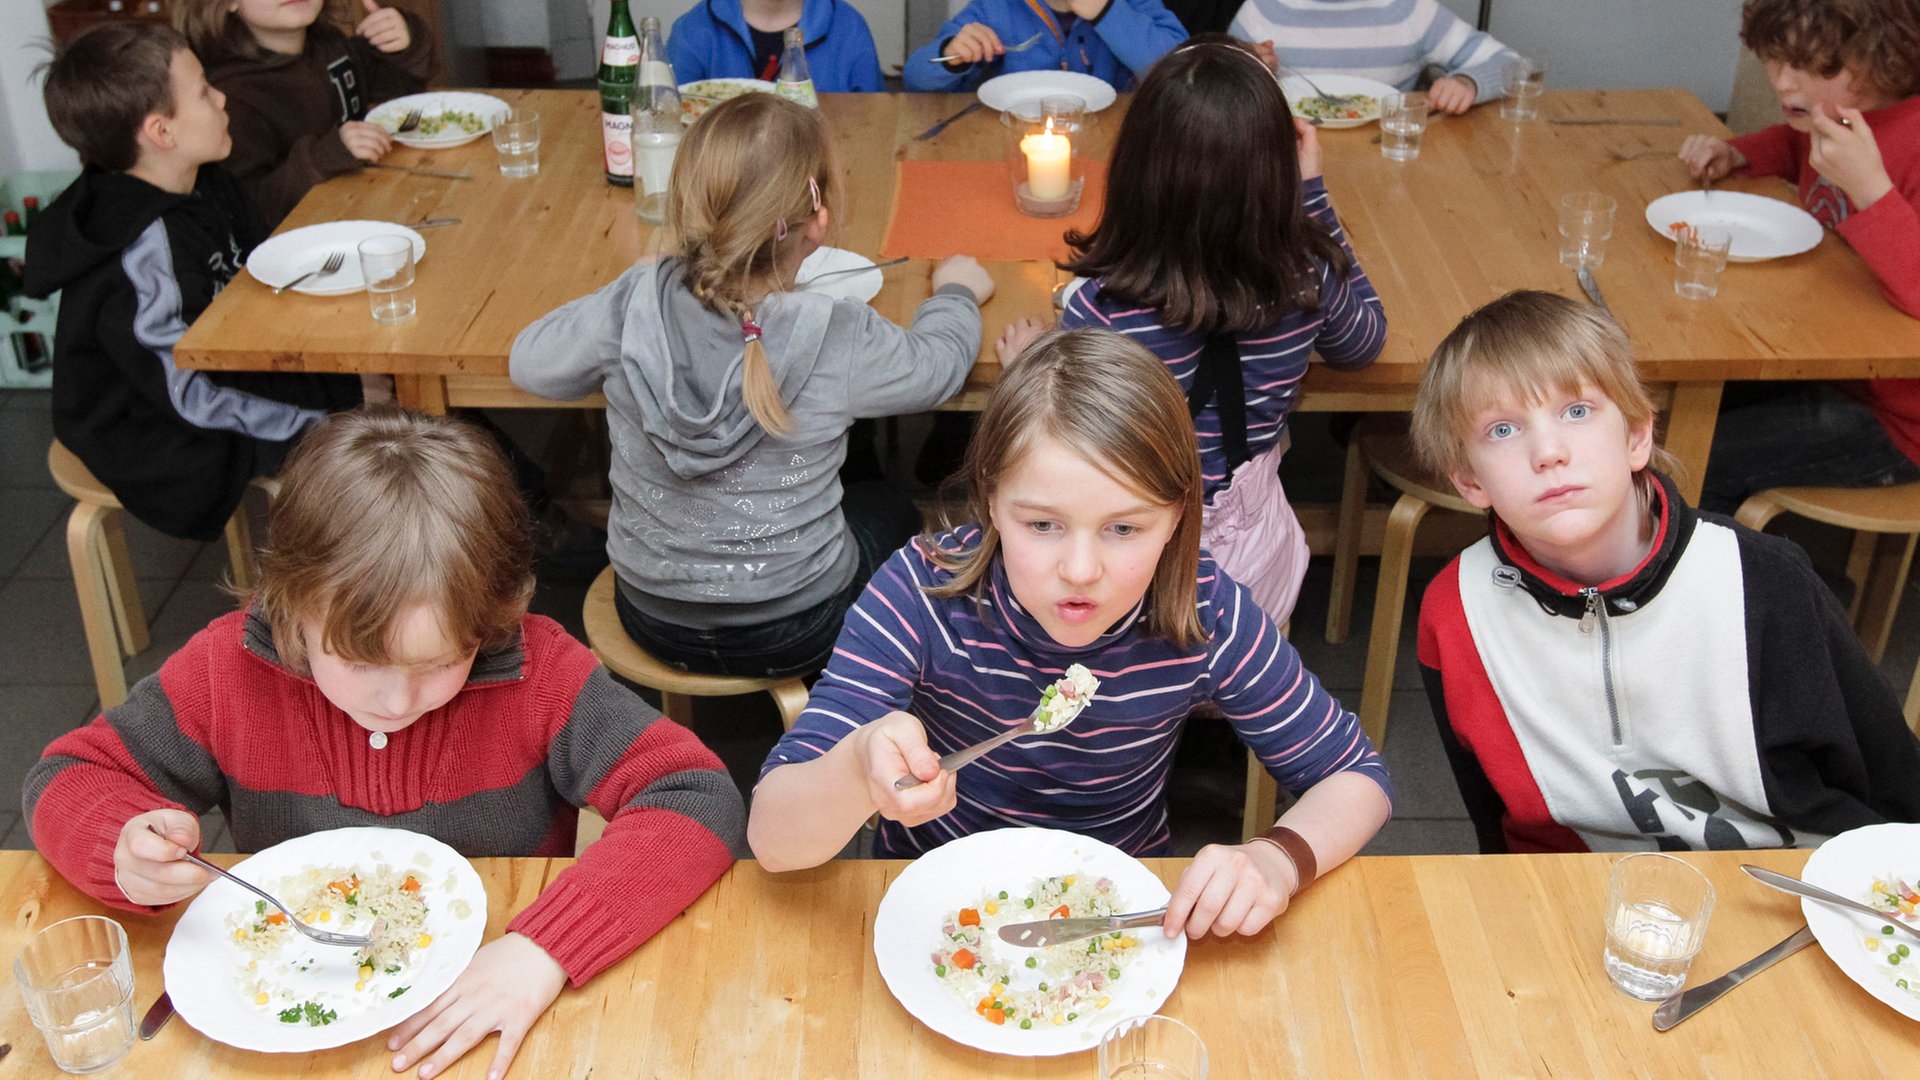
(617, 131)
(620, 52)
(798, 92)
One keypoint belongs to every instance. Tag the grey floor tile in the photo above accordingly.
(24, 439)
(182, 613)
(16, 837)
(28, 516)
(154, 554)
(1431, 836)
(1423, 782)
(27, 400)
(35, 716)
(41, 641)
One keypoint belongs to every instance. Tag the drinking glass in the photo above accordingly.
(1657, 911)
(386, 262)
(1586, 221)
(1403, 120)
(1523, 81)
(77, 980)
(1152, 1048)
(1699, 254)
(516, 136)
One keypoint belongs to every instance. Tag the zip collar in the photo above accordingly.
(490, 667)
(1627, 593)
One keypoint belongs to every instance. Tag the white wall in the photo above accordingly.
(1623, 43)
(27, 140)
(576, 51)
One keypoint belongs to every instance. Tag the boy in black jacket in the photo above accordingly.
(138, 246)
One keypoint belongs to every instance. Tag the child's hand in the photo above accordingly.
(964, 270)
(1452, 94)
(1016, 337)
(1265, 51)
(384, 28)
(895, 746)
(1230, 890)
(368, 142)
(507, 986)
(152, 869)
(974, 43)
(1307, 145)
(1708, 158)
(1846, 153)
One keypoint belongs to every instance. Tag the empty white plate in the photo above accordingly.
(283, 258)
(1762, 228)
(1021, 92)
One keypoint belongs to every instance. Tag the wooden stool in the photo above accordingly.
(110, 608)
(1382, 446)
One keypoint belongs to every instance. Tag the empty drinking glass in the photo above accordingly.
(77, 980)
(516, 136)
(1403, 120)
(1586, 221)
(1699, 255)
(387, 264)
(1657, 911)
(1152, 1048)
(1523, 81)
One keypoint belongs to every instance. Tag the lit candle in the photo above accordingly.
(1049, 164)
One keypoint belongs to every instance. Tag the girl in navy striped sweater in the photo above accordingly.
(1085, 483)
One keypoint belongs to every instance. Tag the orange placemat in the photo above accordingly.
(943, 208)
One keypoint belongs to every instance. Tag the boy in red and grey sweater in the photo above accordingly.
(387, 674)
(1847, 73)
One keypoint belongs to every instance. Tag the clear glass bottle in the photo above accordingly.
(796, 80)
(619, 60)
(656, 125)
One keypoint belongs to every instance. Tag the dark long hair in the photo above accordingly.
(1203, 219)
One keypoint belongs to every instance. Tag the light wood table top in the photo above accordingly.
(1440, 966)
(1473, 217)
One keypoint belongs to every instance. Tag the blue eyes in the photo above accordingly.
(1501, 430)
(1049, 528)
(1507, 429)
(1579, 410)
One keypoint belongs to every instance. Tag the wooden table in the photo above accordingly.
(1473, 217)
(1438, 966)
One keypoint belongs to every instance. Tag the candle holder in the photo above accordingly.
(1043, 156)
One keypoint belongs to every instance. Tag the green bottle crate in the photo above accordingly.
(26, 352)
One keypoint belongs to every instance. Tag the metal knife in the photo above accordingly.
(1044, 932)
(157, 1017)
(1625, 121)
(942, 125)
(1592, 287)
(440, 173)
(1690, 1001)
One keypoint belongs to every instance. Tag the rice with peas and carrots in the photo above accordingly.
(385, 902)
(1029, 988)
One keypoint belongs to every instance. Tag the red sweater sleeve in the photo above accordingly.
(1771, 152)
(1887, 236)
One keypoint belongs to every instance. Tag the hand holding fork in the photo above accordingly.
(977, 42)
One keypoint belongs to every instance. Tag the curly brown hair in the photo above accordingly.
(1876, 41)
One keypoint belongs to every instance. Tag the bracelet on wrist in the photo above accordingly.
(1298, 852)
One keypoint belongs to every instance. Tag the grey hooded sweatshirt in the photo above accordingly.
(715, 522)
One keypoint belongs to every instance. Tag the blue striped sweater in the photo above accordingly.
(970, 671)
(1389, 40)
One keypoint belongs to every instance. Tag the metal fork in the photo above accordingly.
(1321, 94)
(412, 121)
(334, 262)
(324, 937)
(851, 270)
(1022, 47)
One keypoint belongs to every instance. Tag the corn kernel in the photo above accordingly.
(1102, 1003)
(261, 998)
(366, 971)
(361, 985)
(1872, 944)
(425, 940)
(326, 916)
(1069, 880)
(1058, 1019)
(998, 989)
(993, 907)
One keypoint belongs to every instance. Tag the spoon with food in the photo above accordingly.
(1059, 704)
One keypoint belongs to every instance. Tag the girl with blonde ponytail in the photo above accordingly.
(729, 395)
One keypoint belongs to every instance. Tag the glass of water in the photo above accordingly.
(1657, 911)
(77, 980)
(1403, 120)
(1586, 222)
(386, 262)
(1699, 255)
(1523, 81)
(1152, 1048)
(516, 137)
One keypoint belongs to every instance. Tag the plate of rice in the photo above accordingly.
(935, 938)
(241, 975)
(447, 118)
(1878, 865)
(697, 97)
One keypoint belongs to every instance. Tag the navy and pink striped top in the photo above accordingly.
(969, 671)
(1348, 330)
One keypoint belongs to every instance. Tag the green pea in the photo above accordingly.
(1113, 973)
(1003, 894)
(1902, 950)
(1030, 904)
(1026, 1025)
(1073, 1016)
(940, 970)
(1894, 959)
(1043, 988)
(1887, 930)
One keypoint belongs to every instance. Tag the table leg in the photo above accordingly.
(1690, 419)
(421, 393)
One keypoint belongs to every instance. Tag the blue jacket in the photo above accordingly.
(712, 41)
(1118, 47)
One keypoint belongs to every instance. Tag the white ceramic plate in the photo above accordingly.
(697, 97)
(1300, 95)
(1848, 865)
(484, 106)
(857, 286)
(1021, 92)
(282, 258)
(1762, 228)
(204, 967)
(907, 929)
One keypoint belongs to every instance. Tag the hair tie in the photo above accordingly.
(749, 330)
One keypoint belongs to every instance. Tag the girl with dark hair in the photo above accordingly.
(1233, 277)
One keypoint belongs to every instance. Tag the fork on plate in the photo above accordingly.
(333, 264)
(1321, 94)
(324, 937)
(1022, 47)
(411, 121)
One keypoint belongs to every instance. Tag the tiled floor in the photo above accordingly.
(46, 686)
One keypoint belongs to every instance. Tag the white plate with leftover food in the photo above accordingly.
(697, 97)
(284, 257)
(1021, 92)
(1762, 228)
(447, 118)
(936, 943)
(854, 284)
(1875, 865)
(1356, 100)
(241, 975)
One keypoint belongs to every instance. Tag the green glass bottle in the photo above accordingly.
(619, 63)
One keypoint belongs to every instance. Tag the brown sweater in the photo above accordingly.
(286, 111)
